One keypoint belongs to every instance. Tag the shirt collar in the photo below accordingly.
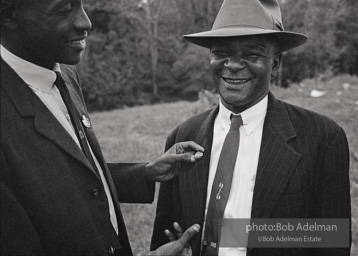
(251, 117)
(38, 77)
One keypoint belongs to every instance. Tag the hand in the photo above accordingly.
(162, 169)
(179, 244)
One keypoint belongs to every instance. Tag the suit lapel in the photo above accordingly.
(82, 112)
(92, 141)
(47, 125)
(194, 179)
(28, 104)
(277, 159)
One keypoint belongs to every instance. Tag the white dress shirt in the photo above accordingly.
(41, 81)
(241, 193)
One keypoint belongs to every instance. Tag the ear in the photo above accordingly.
(276, 63)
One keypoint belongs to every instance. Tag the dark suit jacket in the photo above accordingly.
(52, 201)
(302, 173)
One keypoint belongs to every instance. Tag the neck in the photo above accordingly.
(25, 54)
(239, 109)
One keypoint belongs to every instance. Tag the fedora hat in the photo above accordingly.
(249, 17)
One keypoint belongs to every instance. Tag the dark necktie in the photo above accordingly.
(221, 188)
(75, 118)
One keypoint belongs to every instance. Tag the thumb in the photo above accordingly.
(188, 235)
(182, 157)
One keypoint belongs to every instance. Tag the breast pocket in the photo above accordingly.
(289, 200)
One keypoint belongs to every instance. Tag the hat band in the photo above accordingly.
(250, 15)
(243, 27)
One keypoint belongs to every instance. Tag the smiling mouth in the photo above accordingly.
(77, 41)
(235, 81)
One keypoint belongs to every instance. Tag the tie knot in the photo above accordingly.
(236, 122)
(59, 82)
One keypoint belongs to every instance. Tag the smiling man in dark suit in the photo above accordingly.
(264, 158)
(58, 195)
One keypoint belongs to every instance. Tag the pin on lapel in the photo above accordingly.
(86, 122)
(212, 244)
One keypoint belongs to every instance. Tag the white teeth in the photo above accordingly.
(235, 81)
(77, 42)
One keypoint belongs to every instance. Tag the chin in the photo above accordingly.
(72, 60)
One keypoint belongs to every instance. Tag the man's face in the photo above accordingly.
(52, 31)
(242, 68)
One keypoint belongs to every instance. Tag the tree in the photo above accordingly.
(152, 28)
(347, 36)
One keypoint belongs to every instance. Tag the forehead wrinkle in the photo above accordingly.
(256, 46)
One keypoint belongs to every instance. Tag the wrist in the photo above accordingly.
(148, 172)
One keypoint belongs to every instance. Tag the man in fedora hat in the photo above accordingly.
(264, 158)
(58, 195)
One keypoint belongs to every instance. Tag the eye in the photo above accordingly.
(252, 55)
(63, 9)
(66, 8)
(219, 53)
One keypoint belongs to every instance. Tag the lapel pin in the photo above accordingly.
(212, 244)
(86, 122)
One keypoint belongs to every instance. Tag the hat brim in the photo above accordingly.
(287, 40)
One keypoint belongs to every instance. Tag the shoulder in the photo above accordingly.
(307, 121)
(191, 126)
(309, 116)
(196, 120)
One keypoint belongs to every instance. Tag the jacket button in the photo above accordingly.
(111, 250)
(95, 192)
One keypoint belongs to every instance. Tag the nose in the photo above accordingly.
(82, 21)
(235, 63)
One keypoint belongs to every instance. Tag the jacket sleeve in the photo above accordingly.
(131, 184)
(333, 191)
(164, 218)
(18, 235)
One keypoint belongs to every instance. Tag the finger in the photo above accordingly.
(185, 157)
(170, 235)
(191, 146)
(190, 157)
(186, 252)
(178, 229)
(188, 234)
(198, 155)
(178, 149)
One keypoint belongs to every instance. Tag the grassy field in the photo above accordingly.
(138, 135)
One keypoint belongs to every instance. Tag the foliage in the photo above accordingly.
(331, 48)
(136, 57)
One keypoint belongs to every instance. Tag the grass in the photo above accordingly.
(138, 135)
